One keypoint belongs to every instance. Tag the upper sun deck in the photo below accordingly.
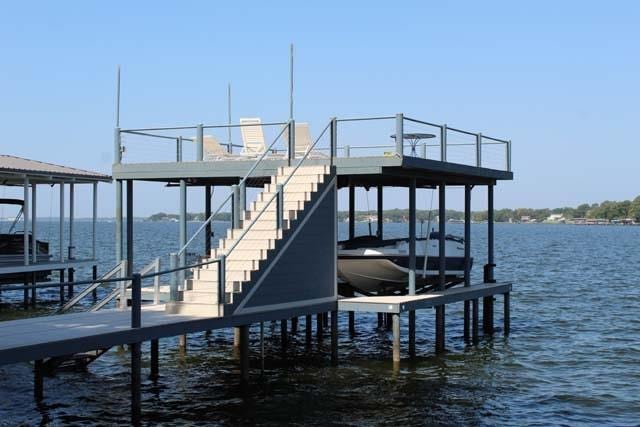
(364, 151)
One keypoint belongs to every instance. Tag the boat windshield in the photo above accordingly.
(11, 202)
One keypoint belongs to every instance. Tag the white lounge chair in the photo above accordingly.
(303, 141)
(212, 148)
(252, 137)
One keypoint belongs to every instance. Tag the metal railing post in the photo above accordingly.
(443, 143)
(235, 214)
(292, 141)
(400, 134)
(279, 206)
(222, 266)
(199, 144)
(173, 285)
(156, 283)
(179, 149)
(508, 148)
(117, 146)
(123, 284)
(334, 139)
(479, 150)
(242, 200)
(347, 151)
(136, 300)
(424, 151)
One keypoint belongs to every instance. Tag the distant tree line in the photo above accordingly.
(607, 210)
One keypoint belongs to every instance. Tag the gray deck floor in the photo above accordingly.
(402, 303)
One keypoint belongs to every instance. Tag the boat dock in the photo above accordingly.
(263, 269)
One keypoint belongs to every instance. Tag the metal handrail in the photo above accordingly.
(361, 119)
(118, 268)
(253, 221)
(244, 180)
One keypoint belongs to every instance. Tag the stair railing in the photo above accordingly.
(279, 198)
(121, 291)
(119, 269)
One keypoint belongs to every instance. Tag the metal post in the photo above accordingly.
(117, 146)
(412, 333)
(72, 213)
(508, 155)
(292, 141)
(400, 134)
(474, 321)
(294, 326)
(200, 144)
(261, 348)
(424, 151)
(235, 217)
(467, 257)
(244, 354)
(279, 206)
(490, 233)
(207, 214)
(34, 233)
(129, 227)
(174, 283)
(347, 151)
(183, 228)
(283, 334)
(352, 213)
(334, 139)
(154, 360)
(396, 338)
(242, 205)
(319, 326)
(61, 271)
(291, 82)
(119, 240)
(334, 337)
(25, 215)
(61, 232)
(507, 314)
(179, 146)
(38, 381)
(136, 300)
(230, 144)
(412, 236)
(479, 150)
(94, 219)
(443, 143)
(222, 267)
(352, 323)
(440, 312)
(380, 232)
(94, 277)
(307, 329)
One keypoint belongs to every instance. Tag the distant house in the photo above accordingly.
(556, 218)
(525, 219)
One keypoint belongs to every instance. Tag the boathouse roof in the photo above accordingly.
(13, 170)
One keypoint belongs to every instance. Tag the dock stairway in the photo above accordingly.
(250, 250)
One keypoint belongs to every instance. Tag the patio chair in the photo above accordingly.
(212, 148)
(303, 140)
(252, 137)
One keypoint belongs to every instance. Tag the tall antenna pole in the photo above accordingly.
(230, 148)
(118, 98)
(291, 83)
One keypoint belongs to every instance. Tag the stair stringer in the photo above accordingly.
(302, 269)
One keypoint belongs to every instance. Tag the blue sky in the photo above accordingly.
(560, 79)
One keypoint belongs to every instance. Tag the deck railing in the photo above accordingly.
(350, 137)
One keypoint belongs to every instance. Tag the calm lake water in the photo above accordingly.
(573, 356)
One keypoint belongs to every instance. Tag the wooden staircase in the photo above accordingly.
(256, 248)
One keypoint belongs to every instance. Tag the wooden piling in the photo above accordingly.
(467, 321)
(182, 342)
(412, 333)
(380, 320)
(154, 360)
(94, 275)
(25, 298)
(70, 286)
(236, 337)
(294, 326)
(33, 289)
(61, 271)
(334, 337)
(396, 337)
(325, 319)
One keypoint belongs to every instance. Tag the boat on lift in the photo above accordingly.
(371, 265)
(12, 248)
